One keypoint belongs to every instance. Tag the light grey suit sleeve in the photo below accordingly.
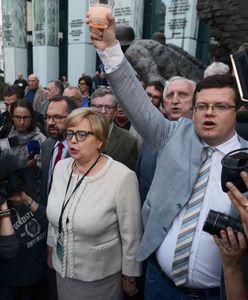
(146, 119)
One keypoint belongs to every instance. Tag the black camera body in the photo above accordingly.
(217, 221)
(233, 164)
(25, 179)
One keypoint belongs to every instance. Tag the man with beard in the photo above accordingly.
(54, 149)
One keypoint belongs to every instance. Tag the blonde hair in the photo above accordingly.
(98, 122)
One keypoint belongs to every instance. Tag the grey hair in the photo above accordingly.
(175, 78)
(216, 68)
(101, 92)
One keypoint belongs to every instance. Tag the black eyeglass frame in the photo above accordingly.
(80, 135)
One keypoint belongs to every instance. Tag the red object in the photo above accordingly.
(59, 154)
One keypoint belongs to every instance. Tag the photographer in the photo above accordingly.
(24, 276)
(233, 247)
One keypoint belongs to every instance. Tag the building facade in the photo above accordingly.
(50, 37)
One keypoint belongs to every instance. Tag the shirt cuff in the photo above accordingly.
(111, 57)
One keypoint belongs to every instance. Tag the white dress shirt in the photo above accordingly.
(205, 263)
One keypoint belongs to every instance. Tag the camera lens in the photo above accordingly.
(217, 221)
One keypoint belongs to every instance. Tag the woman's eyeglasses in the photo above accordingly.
(80, 135)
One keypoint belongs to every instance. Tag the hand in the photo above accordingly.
(232, 248)
(21, 197)
(32, 163)
(105, 38)
(129, 286)
(240, 200)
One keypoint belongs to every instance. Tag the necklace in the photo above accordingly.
(77, 168)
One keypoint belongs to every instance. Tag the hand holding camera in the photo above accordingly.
(240, 200)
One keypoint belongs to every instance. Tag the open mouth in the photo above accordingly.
(209, 124)
(73, 150)
(175, 109)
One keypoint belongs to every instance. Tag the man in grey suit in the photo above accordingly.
(122, 145)
(182, 152)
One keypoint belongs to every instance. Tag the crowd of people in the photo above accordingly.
(112, 177)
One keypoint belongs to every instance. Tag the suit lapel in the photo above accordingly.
(112, 141)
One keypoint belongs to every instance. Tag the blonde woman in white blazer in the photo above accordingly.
(94, 215)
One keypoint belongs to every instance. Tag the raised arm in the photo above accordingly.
(146, 119)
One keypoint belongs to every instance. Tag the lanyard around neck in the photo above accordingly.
(76, 187)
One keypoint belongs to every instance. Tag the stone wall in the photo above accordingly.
(227, 21)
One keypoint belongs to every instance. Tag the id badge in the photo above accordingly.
(60, 247)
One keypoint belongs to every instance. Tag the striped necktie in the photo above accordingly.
(186, 233)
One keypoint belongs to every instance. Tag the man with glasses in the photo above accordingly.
(188, 152)
(122, 145)
(154, 90)
(58, 109)
(54, 149)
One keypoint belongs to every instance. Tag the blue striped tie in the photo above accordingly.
(186, 234)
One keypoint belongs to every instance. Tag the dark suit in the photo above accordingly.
(47, 153)
(122, 146)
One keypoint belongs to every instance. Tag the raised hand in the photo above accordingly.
(103, 38)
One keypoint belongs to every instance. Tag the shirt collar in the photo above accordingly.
(228, 146)
(64, 142)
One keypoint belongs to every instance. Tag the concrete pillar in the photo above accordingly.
(129, 12)
(81, 54)
(181, 24)
(45, 39)
(14, 38)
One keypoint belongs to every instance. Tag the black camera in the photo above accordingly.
(233, 164)
(25, 179)
(217, 221)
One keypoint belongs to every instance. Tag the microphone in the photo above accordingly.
(242, 116)
(33, 148)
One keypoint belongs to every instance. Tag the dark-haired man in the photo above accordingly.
(10, 94)
(184, 261)
(154, 90)
(58, 109)
(54, 149)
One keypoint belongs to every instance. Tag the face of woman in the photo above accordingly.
(86, 150)
(21, 119)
